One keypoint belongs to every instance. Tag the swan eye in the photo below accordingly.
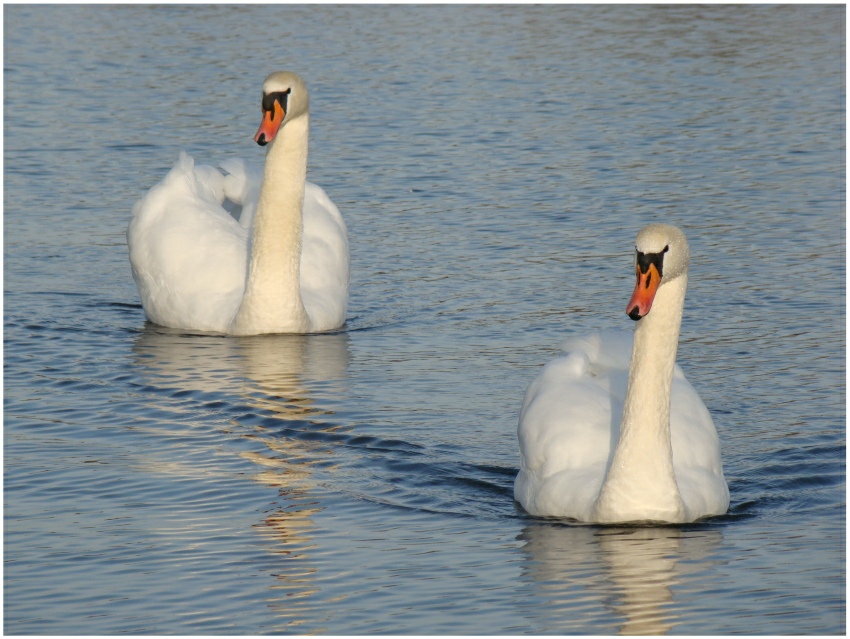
(280, 97)
(645, 260)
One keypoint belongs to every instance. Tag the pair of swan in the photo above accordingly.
(283, 267)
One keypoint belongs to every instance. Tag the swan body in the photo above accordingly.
(281, 267)
(611, 431)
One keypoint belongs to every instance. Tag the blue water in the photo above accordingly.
(493, 165)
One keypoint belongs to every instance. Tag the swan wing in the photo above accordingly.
(696, 451)
(569, 423)
(324, 261)
(188, 254)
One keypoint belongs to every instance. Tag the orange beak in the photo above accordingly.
(272, 120)
(645, 289)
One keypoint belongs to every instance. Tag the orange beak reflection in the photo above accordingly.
(271, 123)
(645, 289)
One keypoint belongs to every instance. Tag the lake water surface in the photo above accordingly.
(493, 165)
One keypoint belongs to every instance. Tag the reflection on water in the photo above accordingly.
(214, 363)
(274, 376)
(632, 571)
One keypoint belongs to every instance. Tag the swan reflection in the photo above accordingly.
(627, 572)
(275, 380)
(213, 363)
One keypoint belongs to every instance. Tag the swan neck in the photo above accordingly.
(641, 483)
(272, 301)
(656, 342)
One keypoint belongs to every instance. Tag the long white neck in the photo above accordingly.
(641, 483)
(272, 301)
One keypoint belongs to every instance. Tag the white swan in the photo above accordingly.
(282, 268)
(606, 440)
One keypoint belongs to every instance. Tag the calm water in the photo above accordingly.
(493, 165)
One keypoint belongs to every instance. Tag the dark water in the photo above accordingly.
(493, 165)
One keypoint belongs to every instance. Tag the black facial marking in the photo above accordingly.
(278, 96)
(645, 259)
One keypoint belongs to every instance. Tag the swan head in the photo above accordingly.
(285, 97)
(661, 255)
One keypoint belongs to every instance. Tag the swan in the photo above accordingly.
(605, 439)
(283, 267)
